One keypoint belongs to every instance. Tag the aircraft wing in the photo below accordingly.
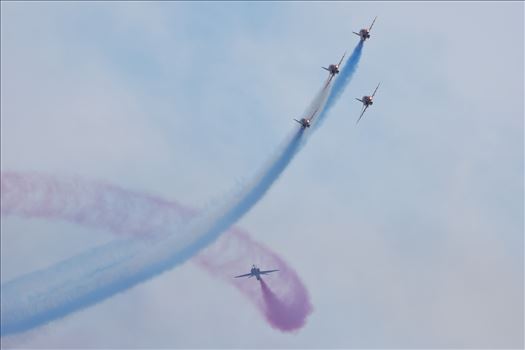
(376, 89)
(245, 275)
(342, 58)
(361, 116)
(374, 21)
(267, 271)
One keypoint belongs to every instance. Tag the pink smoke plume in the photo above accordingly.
(287, 306)
(282, 313)
(104, 206)
(88, 203)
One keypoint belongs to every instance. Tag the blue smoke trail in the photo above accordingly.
(341, 81)
(258, 188)
(43, 296)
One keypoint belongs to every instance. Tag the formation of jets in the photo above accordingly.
(367, 101)
(256, 272)
(333, 70)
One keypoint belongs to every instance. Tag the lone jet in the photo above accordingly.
(367, 101)
(334, 69)
(255, 271)
(307, 122)
(365, 33)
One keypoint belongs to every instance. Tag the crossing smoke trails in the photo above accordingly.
(103, 206)
(42, 296)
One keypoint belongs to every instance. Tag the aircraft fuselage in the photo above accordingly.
(305, 123)
(333, 69)
(367, 100)
(255, 271)
(364, 34)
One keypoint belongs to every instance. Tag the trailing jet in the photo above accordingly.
(367, 101)
(307, 122)
(365, 33)
(334, 69)
(255, 271)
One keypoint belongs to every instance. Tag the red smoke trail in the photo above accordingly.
(283, 313)
(88, 203)
(287, 306)
(104, 206)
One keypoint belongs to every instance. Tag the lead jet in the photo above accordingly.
(334, 69)
(365, 33)
(367, 101)
(307, 122)
(256, 272)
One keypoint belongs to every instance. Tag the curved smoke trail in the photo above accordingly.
(42, 296)
(104, 206)
(89, 203)
(292, 296)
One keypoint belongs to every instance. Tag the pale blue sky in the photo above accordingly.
(407, 230)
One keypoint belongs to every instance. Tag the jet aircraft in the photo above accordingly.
(256, 272)
(307, 122)
(367, 101)
(334, 69)
(365, 33)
